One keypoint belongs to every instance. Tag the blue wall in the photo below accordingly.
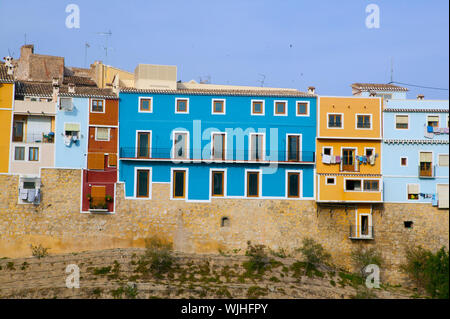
(75, 155)
(163, 120)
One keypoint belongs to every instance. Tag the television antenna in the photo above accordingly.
(263, 79)
(107, 35)
(86, 46)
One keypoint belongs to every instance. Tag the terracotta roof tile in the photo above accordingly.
(275, 93)
(86, 91)
(46, 90)
(79, 80)
(42, 89)
(378, 87)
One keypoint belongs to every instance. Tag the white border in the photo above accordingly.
(150, 182)
(109, 134)
(186, 180)
(224, 106)
(259, 182)
(104, 105)
(187, 145)
(225, 150)
(285, 107)
(149, 143)
(145, 98)
(363, 128)
(300, 157)
(307, 108)
(395, 122)
(224, 170)
(336, 128)
(286, 181)
(250, 148)
(263, 107)
(187, 105)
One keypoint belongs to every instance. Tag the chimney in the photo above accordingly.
(55, 83)
(420, 97)
(311, 90)
(9, 65)
(26, 50)
(372, 94)
(71, 88)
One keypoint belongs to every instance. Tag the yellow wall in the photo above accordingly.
(349, 107)
(336, 193)
(6, 103)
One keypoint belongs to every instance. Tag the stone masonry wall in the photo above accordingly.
(196, 227)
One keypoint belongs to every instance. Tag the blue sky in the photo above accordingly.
(297, 43)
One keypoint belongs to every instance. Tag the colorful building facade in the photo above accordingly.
(228, 143)
(6, 108)
(349, 158)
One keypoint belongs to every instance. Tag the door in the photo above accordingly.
(293, 148)
(143, 145)
(348, 159)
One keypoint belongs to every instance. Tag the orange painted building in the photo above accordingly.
(349, 158)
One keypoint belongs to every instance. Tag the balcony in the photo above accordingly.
(167, 154)
(34, 107)
(426, 170)
(33, 137)
(361, 232)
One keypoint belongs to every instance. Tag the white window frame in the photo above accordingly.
(438, 160)
(225, 150)
(407, 161)
(438, 116)
(224, 106)
(342, 121)
(300, 192)
(37, 185)
(24, 153)
(326, 180)
(418, 197)
(359, 219)
(39, 154)
(150, 182)
(109, 134)
(250, 148)
(259, 183)
(275, 107)
(323, 150)
(224, 170)
(104, 105)
(299, 148)
(188, 155)
(363, 189)
(369, 148)
(145, 98)
(186, 183)
(149, 142)
(353, 179)
(307, 106)
(363, 128)
(263, 108)
(187, 105)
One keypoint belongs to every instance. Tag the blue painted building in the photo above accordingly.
(415, 146)
(227, 142)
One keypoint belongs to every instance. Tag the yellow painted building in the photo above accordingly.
(6, 108)
(349, 158)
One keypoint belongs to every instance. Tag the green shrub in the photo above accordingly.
(258, 261)
(362, 257)
(157, 260)
(39, 251)
(254, 292)
(364, 293)
(429, 271)
(314, 254)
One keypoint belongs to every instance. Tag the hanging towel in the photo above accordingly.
(23, 194)
(37, 197)
(429, 129)
(446, 130)
(67, 140)
(333, 159)
(427, 132)
(434, 201)
(326, 159)
(31, 195)
(372, 160)
(365, 159)
(436, 130)
(338, 159)
(441, 130)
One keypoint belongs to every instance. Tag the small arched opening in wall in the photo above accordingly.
(224, 222)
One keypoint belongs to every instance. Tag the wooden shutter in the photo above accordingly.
(402, 119)
(426, 156)
(96, 161)
(98, 194)
(443, 160)
(112, 160)
(442, 193)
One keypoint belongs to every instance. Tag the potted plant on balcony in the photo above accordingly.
(108, 198)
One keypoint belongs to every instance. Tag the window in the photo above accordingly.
(442, 195)
(143, 144)
(348, 162)
(425, 164)
(18, 128)
(293, 145)
(403, 161)
(112, 160)
(257, 108)
(72, 130)
(142, 182)
(385, 96)
(433, 120)
(413, 191)
(96, 161)
(65, 103)
(256, 147)
(363, 121)
(19, 153)
(218, 146)
(408, 223)
(334, 120)
(330, 181)
(29, 185)
(217, 183)
(218, 106)
(293, 184)
(180, 146)
(401, 122)
(443, 160)
(353, 185)
(224, 222)
(102, 134)
(145, 105)
(302, 108)
(252, 184)
(371, 185)
(182, 106)
(369, 151)
(179, 184)
(364, 225)
(327, 150)
(280, 107)
(33, 154)
(97, 106)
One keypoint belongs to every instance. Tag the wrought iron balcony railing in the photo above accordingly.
(181, 154)
(426, 170)
(31, 137)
